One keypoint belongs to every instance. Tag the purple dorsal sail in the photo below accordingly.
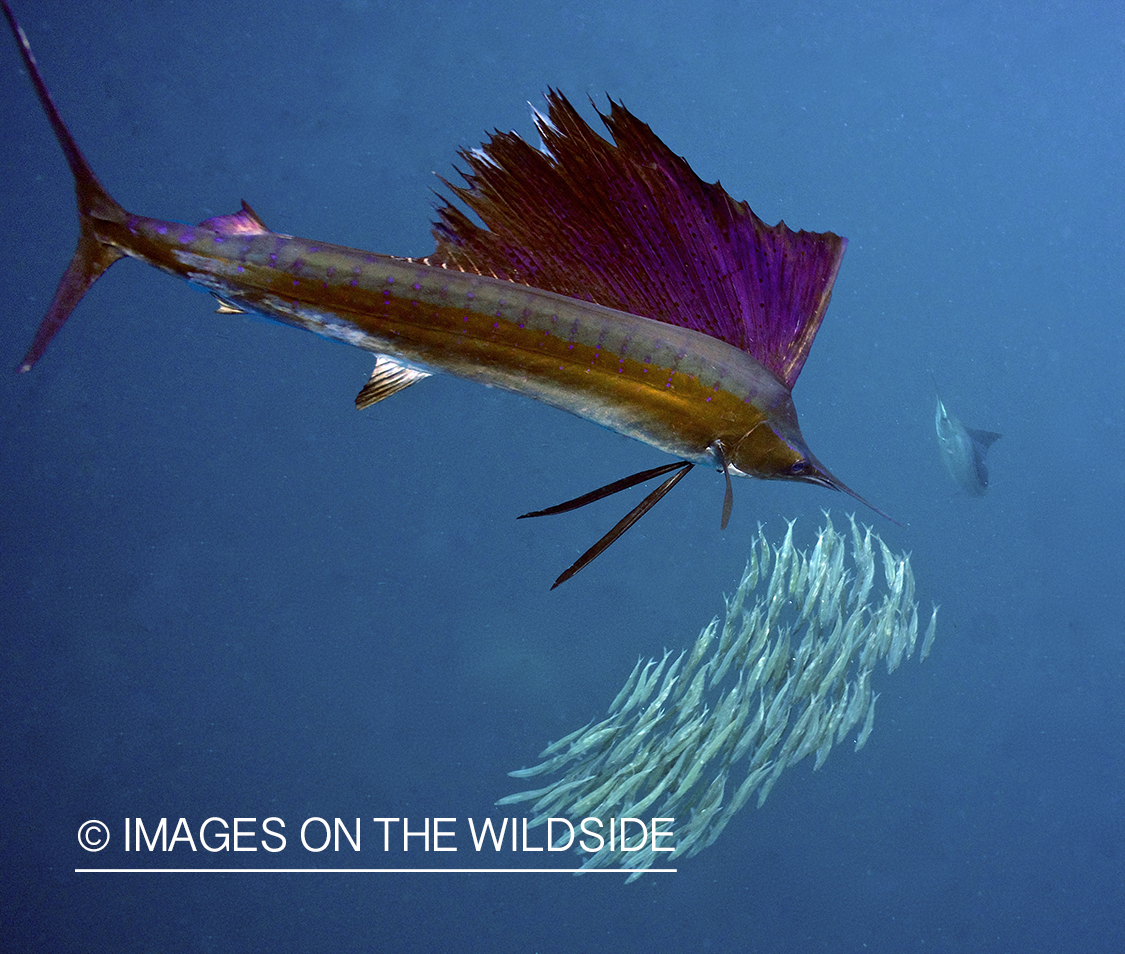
(628, 225)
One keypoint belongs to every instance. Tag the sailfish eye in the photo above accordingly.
(798, 467)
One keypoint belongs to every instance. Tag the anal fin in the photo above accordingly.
(226, 308)
(389, 377)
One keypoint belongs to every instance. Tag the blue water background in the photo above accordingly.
(227, 593)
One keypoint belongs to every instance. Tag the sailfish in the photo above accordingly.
(605, 279)
(963, 450)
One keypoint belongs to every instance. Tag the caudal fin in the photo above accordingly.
(93, 256)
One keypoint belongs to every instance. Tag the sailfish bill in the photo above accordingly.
(605, 279)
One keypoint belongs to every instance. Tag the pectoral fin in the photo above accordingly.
(728, 496)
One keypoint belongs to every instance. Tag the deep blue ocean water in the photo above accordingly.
(225, 593)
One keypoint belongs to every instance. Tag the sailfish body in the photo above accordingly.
(608, 280)
(963, 450)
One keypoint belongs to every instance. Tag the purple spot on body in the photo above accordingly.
(417, 287)
(331, 270)
(296, 282)
(162, 230)
(218, 239)
(298, 264)
(390, 279)
(273, 259)
(353, 283)
(314, 248)
(187, 238)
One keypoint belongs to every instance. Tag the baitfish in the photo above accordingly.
(680, 756)
(963, 450)
(607, 280)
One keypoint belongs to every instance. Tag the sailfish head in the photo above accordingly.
(775, 449)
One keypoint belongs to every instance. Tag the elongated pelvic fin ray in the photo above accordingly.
(609, 489)
(681, 467)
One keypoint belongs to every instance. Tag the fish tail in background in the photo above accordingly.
(93, 256)
(963, 450)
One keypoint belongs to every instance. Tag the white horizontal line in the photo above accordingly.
(373, 870)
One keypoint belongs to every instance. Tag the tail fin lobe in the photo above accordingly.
(91, 259)
(92, 256)
(92, 198)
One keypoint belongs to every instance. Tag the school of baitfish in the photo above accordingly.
(786, 679)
